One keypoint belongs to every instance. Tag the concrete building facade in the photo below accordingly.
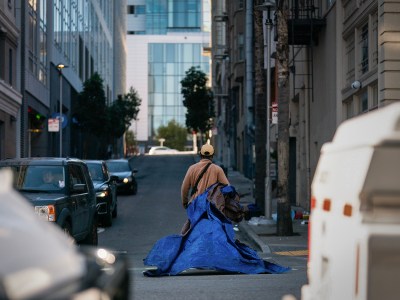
(10, 96)
(347, 66)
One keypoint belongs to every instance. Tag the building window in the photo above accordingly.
(32, 41)
(349, 110)
(10, 67)
(374, 96)
(140, 9)
(241, 4)
(374, 40)
(184, 15)
(136, 9)
(136, 32)
(364, 60)
(350, 60)
(240, 46)
(363, 101)
(329, 3)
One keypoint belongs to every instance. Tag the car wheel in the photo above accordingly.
(107, 219)
(115, 211)
(92, 237)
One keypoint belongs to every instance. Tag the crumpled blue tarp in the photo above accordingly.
(210, 244)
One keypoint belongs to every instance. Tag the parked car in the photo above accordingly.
(38, 261)
(126, 175)
(61, 191)
(162, 150)
(105, 187)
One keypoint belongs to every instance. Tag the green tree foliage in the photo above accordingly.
(174, 135)
(122, 112)
(197, 99)
(99, 124)
(91, 111)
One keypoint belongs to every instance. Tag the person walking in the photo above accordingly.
(207, 240)
(201, 175)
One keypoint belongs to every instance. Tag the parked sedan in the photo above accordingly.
(126, 181)
(105, 187)
(38, 261)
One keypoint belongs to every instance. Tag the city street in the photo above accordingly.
(155, 212)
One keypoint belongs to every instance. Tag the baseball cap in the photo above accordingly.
(207, 150)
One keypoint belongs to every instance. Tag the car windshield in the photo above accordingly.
(118, 166)
(39, 178)
(96, 172)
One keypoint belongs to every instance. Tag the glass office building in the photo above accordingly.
(171, 35)
(167, 66)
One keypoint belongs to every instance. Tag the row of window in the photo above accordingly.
(364, 101)
(163, 16)
(73, 20)
(361, 57)
(168, 64)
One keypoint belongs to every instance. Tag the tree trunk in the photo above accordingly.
(284, 220)
(260, 111)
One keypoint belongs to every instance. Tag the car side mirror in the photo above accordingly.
(134, 171)
(79, 187)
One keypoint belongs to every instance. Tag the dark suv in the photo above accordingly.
(61, 191)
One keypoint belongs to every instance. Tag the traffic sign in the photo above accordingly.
(53, 125)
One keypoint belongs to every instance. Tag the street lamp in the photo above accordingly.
(267, 6)
(60, 67)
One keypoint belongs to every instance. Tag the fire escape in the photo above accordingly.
(304, 24)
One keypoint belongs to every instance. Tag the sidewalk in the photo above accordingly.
(262, 232)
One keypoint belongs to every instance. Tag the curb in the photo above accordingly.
(252, 235)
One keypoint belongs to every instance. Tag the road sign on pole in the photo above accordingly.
(53, 125)
(274, 113)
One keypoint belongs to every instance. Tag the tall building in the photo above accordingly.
(164, 39)
(10, 96)
(81, 35)
(343, 62)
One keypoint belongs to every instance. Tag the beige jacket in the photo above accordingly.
(213, 174)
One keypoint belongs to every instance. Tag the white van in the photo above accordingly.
(355, 211)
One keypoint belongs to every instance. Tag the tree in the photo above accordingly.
(101, 124)
(174, 135)
(131, 143)
(284, 220)
(198, 100)
(260, 112)
(91, 116)
(122, 112)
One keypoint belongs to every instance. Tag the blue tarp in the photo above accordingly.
(209, 245)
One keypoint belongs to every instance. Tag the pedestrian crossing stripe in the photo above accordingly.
(293, 253)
